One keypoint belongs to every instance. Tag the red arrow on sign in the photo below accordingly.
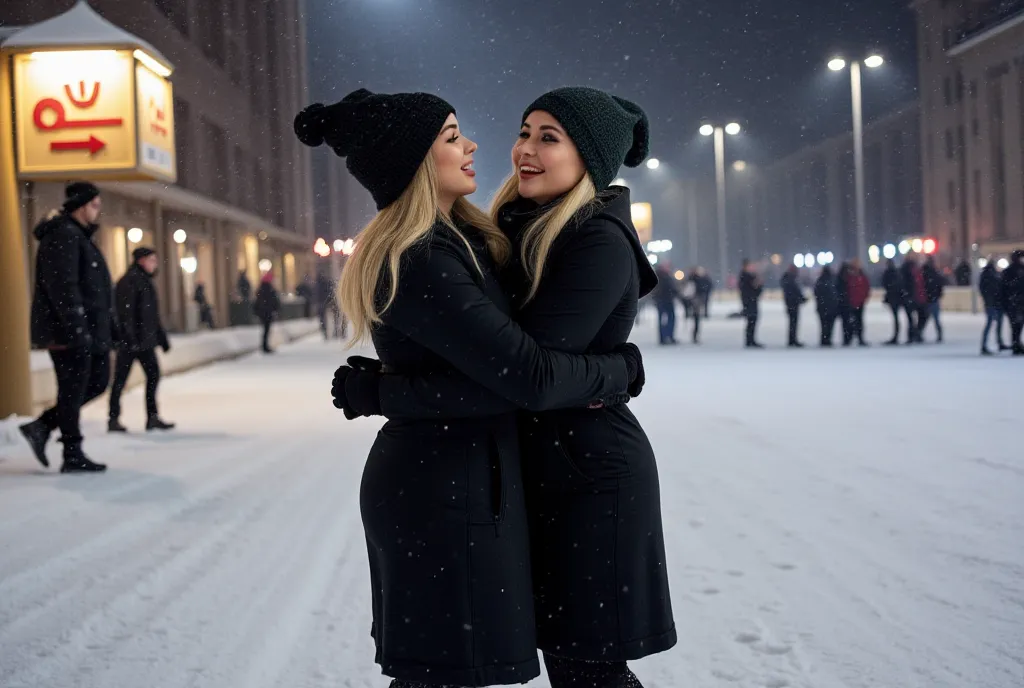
(93, 145)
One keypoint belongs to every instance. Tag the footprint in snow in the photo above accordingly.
(735, 574)
(769, 649)
(747, 638)
(696, 523)
(711, 591)
(784, 567)
(726, 676)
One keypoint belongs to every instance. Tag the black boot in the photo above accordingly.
(75, 461)
(114, 425)
(37, 435)
(985, 351)
(154, 423)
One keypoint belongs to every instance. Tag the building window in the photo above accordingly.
(218, 167)
(951, 192)
(931, 149)
(959, 87)
(183, 141)
(947, 90)
(211, 30)
(960, 142)
(975, 128)
(950, 152)
(176, 12)
(977, 191)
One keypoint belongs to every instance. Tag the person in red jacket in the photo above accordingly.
(858, 290)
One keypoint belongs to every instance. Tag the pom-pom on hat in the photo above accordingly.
(383, 137)
(608, 131)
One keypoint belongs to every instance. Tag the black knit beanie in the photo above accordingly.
(608, 131)
(385, 137)
(142, 252)
(77, 194)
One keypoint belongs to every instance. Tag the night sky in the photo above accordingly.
(761, 63)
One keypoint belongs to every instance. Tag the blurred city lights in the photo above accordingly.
(821, 258)
(904, 247)
(134, 235)
(798, 260)
(659, 246)
(321, 248)
(180, 236)
(917, 245)
(732, 129)
(707, 130)
(829, 257)
(983, 262)
(809, 260)
(652, 164)
(837, 64)
(889, 251)
(739, 165)
(874, 253)
(874, 61)
(265, 265)
(680, 275)
(189, 264)
(776, 259)
(1003, 263)
(930, 246)
(338, 244)
(651, 258)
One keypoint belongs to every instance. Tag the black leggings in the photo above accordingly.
(567, 673)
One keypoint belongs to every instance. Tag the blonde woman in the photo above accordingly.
(442, 501)
(592, 488)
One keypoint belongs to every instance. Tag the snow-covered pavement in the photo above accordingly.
(835, 519)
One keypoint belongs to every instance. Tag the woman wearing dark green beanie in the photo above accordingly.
(442, 500)
(597, 544)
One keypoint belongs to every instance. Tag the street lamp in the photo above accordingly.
(837, 64)
(653, 164)
(719, 133)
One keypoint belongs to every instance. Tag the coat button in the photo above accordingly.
(94, 263)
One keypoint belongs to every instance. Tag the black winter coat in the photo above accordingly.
(442, 498)
(825, 294)
(792, 294)
(138, 312)
(267, 302)
(72, 303)
(592, 487)
(1012, 290)
(893, 285)
(750, 291)
(934, 283)
(990, 287)
(665, 292)
(704, 286)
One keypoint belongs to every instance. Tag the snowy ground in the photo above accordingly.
(836, 519)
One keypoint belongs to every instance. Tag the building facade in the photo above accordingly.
(806, 202)
(244, 189)
(971, 61)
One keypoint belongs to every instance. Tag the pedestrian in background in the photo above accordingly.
(205, 311)
(72, 318)
(915, 298)
(893, 286)
(1012, 293)
(990, 288)
(693, 301)
(665, 295)
(794, 298)
(141, 332)
(266, 308)
(750, 286)
(827, 299)
(934, 286)
(858, 291)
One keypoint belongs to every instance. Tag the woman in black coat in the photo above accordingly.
(592, 488)
(827, 299)
(442, 498)
(266, 307)
(893, 285)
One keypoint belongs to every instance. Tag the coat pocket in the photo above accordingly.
(589, 443)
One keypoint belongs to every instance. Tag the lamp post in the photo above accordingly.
(91, 101)
(719, 133)
(837, 64)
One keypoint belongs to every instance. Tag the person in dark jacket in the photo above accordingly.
(453, 595)
(827, 299)
(915, 299)
(990, 287)
(1012, 298)
(266, 308)
(205, 311)
(934, 286)
(694, 300)
(893, 286)
(665, 296)
(327, 304)
(750, 295)
(244, 287)
(963, 273)
(305, 292)
(141, 332)
(858, 291)
(843, 299)
(72, 318)
(793, 296)
(591, 476)
(704, 288)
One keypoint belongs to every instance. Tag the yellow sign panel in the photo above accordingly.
(156, 124)
(75, 112)
(641, 216)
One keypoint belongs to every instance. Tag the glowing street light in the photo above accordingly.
(809, 260)
(134, 235)
(889, 251)
(321, 248)
(837, 64)
(874, 253)
(719, 132)
(653, 164)
(179, 236)
(739, 165)
(798, 260)
(904, 247)
(822, 258)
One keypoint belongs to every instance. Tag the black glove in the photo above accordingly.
(368, 365)
(634, 367)
(356, 392)
(165, 343)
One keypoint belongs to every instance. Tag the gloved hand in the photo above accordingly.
(356, 392)
(634, 367)
(369, 365)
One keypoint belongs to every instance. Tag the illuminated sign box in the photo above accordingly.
(99, 114)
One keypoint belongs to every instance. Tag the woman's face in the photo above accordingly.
(546, 159)
(453, 158)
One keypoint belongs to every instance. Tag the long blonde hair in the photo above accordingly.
(541, 233)
(392, 232)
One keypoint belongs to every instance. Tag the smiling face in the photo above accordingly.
(545, 159)
(453, 157)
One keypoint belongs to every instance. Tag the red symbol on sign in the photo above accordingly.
(61, 121)
(83, 102)
(160, 116)
(92, 144)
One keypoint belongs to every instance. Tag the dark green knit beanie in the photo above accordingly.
(608, 131)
